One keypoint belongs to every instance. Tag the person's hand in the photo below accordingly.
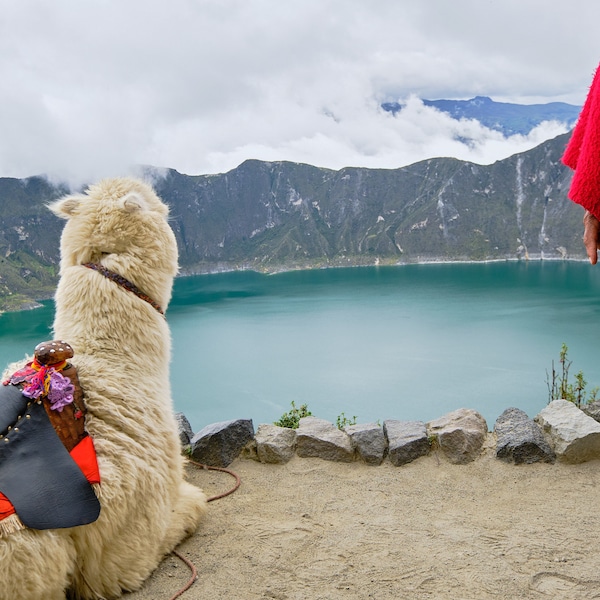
(591, 236)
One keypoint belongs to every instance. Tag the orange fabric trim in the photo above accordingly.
(6, 507)
(84, 454)
(59, 366)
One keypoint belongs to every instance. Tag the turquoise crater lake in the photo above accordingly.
(411, 342)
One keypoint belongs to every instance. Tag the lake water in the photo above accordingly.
(411, 342)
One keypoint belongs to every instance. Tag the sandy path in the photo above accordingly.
(313, 529)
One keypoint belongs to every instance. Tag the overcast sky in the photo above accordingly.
(90, 88)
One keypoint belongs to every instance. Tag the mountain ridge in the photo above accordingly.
(273, 216)
(508, 118)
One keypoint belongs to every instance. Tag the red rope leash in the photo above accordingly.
(192, 579)
(229, 472)
(189, 564)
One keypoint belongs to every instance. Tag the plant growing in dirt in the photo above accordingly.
(291, 419)
(343, 421)
(559, 386)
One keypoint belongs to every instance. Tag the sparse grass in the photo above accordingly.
(343, 421)
(559, 387)
(291, 419)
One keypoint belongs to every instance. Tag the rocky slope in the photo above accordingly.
(280, 215)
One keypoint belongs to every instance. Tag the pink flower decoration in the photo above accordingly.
(61, 391)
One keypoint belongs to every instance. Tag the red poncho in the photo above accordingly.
(583, 152)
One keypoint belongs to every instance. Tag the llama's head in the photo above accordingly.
(121, 224)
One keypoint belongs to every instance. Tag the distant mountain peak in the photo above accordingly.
(509, 119)
(480, 101)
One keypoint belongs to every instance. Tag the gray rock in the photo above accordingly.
(574, 436)
(320, 438)
(369, 441)
(407, 440)
(460, 434)
(520, 439)
(184, 429)
(275, 444)
(217, 445)
(592, 410)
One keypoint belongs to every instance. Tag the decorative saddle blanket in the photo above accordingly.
(48, 468)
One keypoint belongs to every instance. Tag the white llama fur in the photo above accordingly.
(122, 353)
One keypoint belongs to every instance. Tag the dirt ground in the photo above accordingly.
(313, 529)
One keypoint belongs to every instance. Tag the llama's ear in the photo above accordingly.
(66, 207)
(133, 202)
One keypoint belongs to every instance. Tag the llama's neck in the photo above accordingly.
(99, 318)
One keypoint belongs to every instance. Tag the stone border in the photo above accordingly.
(560, 431)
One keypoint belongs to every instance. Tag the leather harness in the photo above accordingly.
(37, 474)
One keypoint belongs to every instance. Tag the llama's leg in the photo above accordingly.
(35, 565)
(186, 514)
(121, 557)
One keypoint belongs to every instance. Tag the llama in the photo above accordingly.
(116, 234)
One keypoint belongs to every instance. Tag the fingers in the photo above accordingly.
(591, 236)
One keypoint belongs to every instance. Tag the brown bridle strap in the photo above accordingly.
(124, 283)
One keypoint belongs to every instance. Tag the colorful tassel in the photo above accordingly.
(43, 380)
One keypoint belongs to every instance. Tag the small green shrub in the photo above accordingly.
(292, 418)
(559, 387)
(343, 421)
(434, 441)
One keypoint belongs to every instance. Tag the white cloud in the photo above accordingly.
(370, 138)
(201, 85)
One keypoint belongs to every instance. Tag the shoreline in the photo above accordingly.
(360, 264)
(35, 303)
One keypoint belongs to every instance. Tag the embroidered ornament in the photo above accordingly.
(60, 392)
(42, 380)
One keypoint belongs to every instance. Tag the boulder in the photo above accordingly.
(407, 440)
(184, 429)
(217, 445)
(369, 441)
(459, 434)
(320, 438)
(520, 439)
(275, 444)
(573, 435)
(592, 410)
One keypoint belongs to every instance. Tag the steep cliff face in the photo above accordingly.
(29, 237)
(281, 215)
(272, 216)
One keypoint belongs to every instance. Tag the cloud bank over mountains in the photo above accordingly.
(201, 85)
